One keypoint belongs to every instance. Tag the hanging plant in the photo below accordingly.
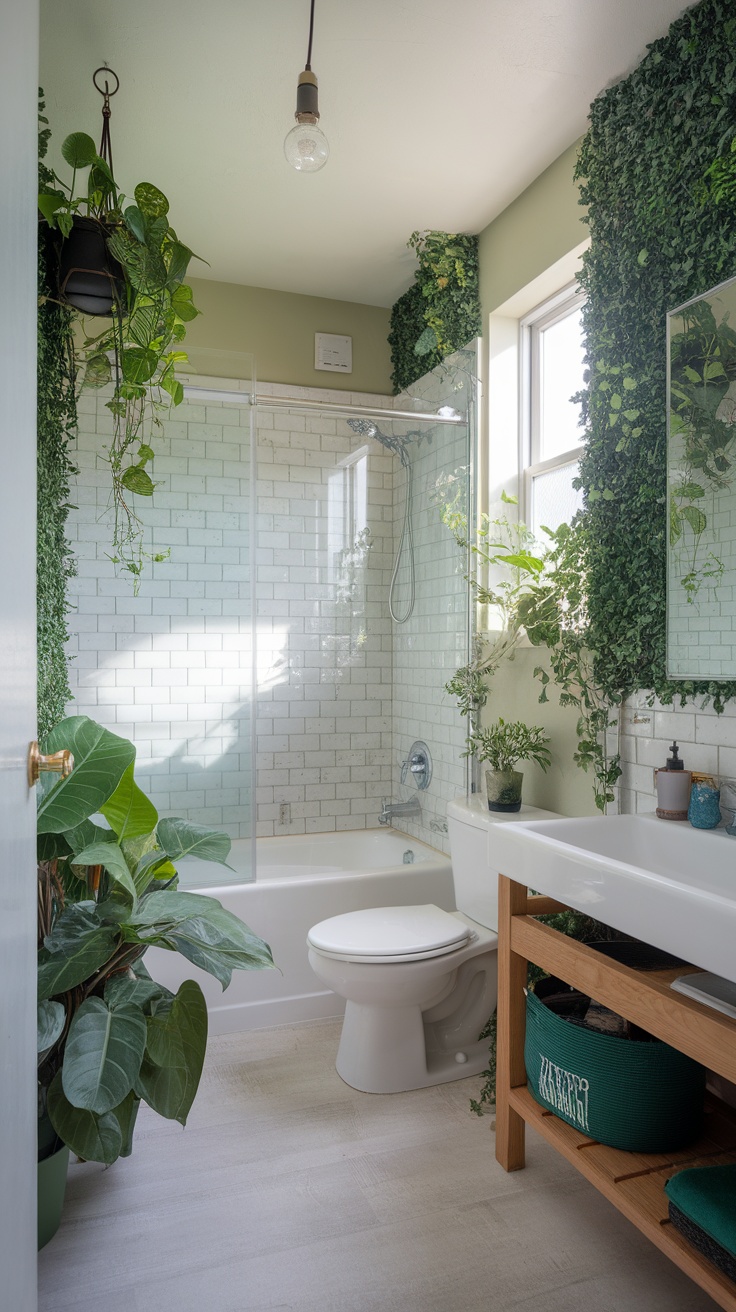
(125, 262)
(441, 313)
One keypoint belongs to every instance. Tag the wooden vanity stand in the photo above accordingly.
(633, 1182)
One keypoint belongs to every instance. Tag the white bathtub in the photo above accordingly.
(301, 880)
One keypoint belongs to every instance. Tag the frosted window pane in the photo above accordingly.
(554, 499)
(562, 366)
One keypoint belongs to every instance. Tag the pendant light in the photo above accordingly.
(306, 147)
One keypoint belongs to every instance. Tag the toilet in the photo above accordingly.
(420, 983)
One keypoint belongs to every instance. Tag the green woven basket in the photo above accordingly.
(641, 1096)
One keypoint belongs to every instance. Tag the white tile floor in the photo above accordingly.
(290, 1192)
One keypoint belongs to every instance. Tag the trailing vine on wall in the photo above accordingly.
(57, 421)
(440, 313)
(658, 176)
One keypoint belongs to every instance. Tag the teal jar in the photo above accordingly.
(704, 810)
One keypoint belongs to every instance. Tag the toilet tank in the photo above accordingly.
(471, 851)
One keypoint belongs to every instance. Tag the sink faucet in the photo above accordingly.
(391, 809)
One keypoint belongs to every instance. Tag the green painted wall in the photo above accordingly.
(533, 232)
(278, 329)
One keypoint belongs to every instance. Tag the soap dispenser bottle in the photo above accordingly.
(673, 787)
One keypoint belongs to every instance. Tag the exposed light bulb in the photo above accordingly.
(306, 146)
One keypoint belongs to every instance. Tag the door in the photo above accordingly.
(18, 151)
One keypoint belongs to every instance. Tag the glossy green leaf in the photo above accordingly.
(220, 943)
(162, 907)
(129, 989)
(183, 303)
(174, 388)
(79, 150)
(203, 931)
(151, 201)
(178, 258)
(152, 865)
(695, 518)
(129, 812)
(126, 1115)
(180, 838)
(111, 857)
(86, 834)
(135, 479)
(49, 203)
(59, 971)
(175, 1051)
(138, 364)
(135, 222)
(51, 1018)
(100, 760)
(143, 325)
(103, 1054)
(93, 1138)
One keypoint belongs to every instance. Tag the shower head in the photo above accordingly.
(366, 428)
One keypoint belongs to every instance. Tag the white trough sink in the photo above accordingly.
(660, 881)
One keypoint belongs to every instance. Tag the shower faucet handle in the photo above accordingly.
(419, 762)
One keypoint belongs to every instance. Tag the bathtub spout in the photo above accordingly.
(391, 809)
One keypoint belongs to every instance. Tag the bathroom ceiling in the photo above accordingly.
(438, 113)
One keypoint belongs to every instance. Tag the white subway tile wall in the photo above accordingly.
(171, 668)
(342, 691)
(707, 743)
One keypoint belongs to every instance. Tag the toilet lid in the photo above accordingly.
(390, 932)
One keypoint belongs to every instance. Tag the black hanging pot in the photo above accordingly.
(89, 278)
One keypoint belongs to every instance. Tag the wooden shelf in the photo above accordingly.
(633, 1182)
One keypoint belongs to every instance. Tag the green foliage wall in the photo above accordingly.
(658, 175)
(441, 312)
(57, 418)
(56, 426)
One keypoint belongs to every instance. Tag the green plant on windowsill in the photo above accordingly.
(502, 547)
(541, 595)
(124, 261)
(109, 1036)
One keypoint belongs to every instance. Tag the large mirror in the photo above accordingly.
(701, 486)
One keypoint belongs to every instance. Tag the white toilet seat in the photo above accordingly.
(390, 934)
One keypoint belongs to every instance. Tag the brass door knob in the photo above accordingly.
(59, 762)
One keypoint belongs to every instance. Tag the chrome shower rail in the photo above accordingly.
(323, 407)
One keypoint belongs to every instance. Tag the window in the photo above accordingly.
(553, 360)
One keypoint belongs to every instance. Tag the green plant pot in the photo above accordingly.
(51, 1189)
(504, 789)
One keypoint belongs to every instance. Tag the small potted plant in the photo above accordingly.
(503, 746)
(109, 1036)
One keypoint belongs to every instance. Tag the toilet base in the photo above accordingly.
(397, 1048)
(385, 1052)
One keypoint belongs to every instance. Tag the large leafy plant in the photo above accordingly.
(138, 349)
(109, 1036)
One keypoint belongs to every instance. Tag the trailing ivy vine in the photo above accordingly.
(440, 313)
(57, 421)
(658, 176)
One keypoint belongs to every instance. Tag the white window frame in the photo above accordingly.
(531, 327)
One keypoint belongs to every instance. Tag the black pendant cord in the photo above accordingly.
(106, 93)
(308, 64)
